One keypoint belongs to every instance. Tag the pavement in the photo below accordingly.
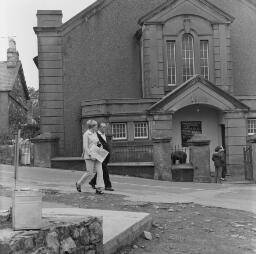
(226, 195)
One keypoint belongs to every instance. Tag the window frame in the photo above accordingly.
(178, 55)
(251, 133)
(183, 60)
(208, 54)
(134, 130)
(119, 138)
(167, 62)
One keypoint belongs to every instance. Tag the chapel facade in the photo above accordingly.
(154, 70)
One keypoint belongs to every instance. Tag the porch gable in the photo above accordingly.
(194, 91)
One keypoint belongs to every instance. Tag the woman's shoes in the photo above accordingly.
(99, 192)
(78, 187)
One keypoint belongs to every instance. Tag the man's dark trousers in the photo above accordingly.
(106, 179)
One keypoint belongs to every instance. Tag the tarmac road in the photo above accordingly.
(234, 196)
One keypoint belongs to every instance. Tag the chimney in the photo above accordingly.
(49, 18)
(12, 54)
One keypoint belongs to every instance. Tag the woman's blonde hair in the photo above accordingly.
(91, 123)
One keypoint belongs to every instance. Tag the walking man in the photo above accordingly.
(103, 140)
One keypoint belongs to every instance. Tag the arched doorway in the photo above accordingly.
(199, 118)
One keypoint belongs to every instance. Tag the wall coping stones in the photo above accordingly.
(199, 140)
(161, 140)
(45, 137)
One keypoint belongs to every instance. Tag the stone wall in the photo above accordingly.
(65, 237)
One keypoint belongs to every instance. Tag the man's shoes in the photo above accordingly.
(109, 189)
(93, 186)
(99, 192)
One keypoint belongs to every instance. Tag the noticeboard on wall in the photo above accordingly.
(188, 129)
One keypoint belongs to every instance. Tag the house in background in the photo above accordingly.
(13, 91)
(158, 71)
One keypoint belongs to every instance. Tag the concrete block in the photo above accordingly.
(119, 228)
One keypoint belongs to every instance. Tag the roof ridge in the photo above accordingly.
(88, 12)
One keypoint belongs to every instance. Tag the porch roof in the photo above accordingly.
(194, 91)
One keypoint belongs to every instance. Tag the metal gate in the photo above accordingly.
(248, 168)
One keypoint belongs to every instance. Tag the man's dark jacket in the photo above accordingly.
(105, 146)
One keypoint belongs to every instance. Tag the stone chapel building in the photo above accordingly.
(158, 71)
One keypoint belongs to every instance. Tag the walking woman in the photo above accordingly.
(92, 165)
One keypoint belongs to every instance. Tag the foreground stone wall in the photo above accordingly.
(65, 237)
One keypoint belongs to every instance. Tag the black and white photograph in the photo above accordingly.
(127, 126)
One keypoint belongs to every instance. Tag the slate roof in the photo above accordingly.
(9, 75)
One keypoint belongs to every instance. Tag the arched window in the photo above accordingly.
(188, 56)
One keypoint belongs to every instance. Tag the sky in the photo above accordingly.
(17, 19)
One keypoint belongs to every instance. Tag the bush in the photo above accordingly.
(29, 131)
(6, 138)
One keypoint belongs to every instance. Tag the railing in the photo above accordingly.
(183, 149)
(180, 148)
(248, 167)
(132, 152)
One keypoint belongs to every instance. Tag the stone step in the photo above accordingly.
(120, 228)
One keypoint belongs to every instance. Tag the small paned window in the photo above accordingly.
(171, 63)
(188, 56)
(204, 59)
(251, 126)
(140, 130)
(119, 131)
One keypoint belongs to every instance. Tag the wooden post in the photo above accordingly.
(16, 157)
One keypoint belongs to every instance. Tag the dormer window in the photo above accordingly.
(188, 56)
